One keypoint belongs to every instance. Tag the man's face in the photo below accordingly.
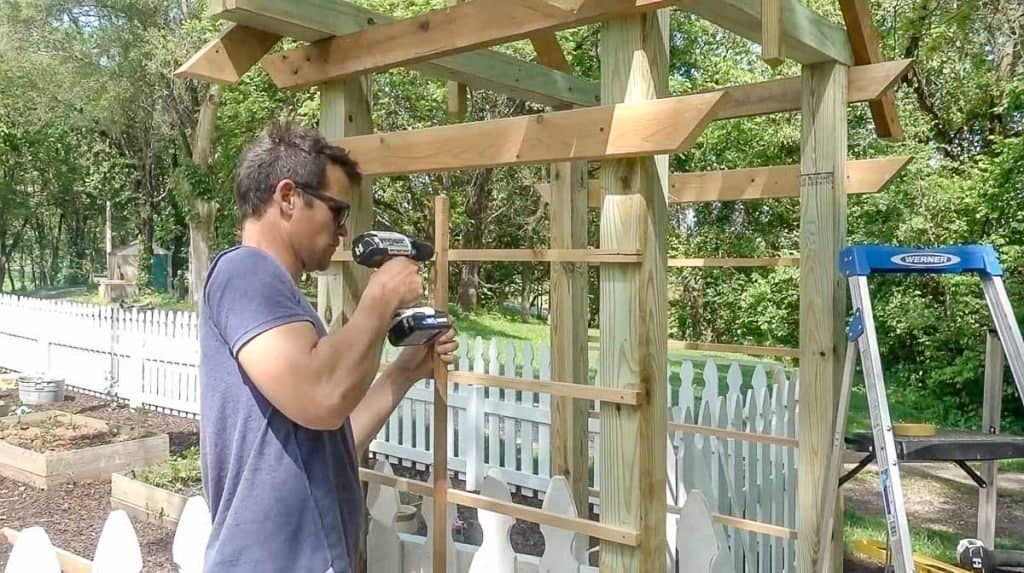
(316, 231)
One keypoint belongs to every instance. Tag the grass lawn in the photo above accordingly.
(928, 542)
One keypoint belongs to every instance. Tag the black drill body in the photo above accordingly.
(411, 326)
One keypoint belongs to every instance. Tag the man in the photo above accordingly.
(287, 409)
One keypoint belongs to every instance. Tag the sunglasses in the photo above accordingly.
(339, 208)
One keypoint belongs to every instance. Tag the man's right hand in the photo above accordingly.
(397, 283)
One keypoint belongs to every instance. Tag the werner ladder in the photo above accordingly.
(856, 263)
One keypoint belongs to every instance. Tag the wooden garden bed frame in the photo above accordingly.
(45, 470)
(144, 501)
(629, 123)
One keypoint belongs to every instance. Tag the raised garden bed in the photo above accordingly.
(158, 493)
(44, 449)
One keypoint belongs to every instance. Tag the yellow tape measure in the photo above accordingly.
(877, 551)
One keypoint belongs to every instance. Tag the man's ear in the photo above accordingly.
(285, 196)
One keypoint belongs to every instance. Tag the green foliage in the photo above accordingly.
(89, 113)
(178, 473)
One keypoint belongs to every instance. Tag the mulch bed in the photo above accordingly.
(73, 514)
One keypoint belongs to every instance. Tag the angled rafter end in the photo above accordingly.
(226, 58)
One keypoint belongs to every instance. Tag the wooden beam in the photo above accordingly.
(549, 51)
(733, 434)
(313, 20)
(610, 131)
(439, 425)
(660, 126)
(437, 33)
(565, 389)
(807, 36)
(570, 313)
(730, 348)
(735, 263)
(345, 110)
(634, 68)
(226, 58)
(866, 83)
(588, 256)
(867, 49)
(575, 524)
(771, 32)
(863, 176)
(69, 562)
(458, 94)
(822, 296)
(735, 348)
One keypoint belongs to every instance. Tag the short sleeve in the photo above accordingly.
(247, 293)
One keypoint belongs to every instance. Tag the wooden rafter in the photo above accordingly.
(549, 51)
(807, 36)
(667, 125)
(480, 69)
(867, 50)
(622, 130)
(776, 96)
(863, 176)
(771, 32)
(438, 33)
(227, 57)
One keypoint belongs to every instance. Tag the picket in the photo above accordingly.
(150, 359)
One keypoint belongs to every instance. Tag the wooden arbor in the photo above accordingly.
(629, 123)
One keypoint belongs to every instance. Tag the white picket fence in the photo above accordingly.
(150, 359)
(117, 549)
(696, 544)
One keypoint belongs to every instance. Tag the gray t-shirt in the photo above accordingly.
(283, 497)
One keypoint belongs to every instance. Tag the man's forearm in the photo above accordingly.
(383, 397)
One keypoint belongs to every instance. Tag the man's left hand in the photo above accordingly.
(415, 363)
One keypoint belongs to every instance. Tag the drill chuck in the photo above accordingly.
(373, 248)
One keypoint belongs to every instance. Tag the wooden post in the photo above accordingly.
(457, 93)
(440, 426)
(344, 112)
(822, 294)
(570, 311)
(995, 362)
(633, 304)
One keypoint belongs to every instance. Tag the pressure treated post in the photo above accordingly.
(439, 438)
(633, 308)
(570, 310)
(822, 294)
(344, 112)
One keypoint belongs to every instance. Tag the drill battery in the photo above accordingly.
(418, 325)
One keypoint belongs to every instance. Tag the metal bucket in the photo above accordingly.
(34, 390)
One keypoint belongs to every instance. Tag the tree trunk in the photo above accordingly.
(526, 274)
(204, 212)
(55, 250)
(477, 205)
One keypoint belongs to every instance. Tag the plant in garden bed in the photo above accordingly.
(179, 473)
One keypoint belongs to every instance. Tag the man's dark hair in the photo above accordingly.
(286, 151)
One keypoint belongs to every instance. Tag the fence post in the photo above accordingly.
(132, 390)
(474, 437)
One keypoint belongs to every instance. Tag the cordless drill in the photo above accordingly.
(411, 326)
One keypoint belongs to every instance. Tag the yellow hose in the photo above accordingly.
(877, 550)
